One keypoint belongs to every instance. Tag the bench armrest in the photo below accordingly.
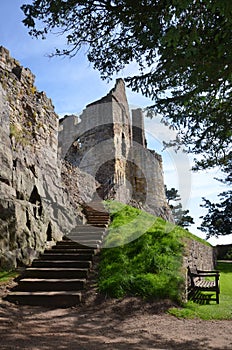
(205, 275)
(208, 271)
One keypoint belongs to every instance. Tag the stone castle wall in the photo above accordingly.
(138, 131)
(107, 145)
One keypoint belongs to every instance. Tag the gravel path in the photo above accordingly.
(107, 325)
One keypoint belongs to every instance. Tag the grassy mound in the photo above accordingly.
(142, 255)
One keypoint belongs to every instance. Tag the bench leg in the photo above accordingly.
(217, 297)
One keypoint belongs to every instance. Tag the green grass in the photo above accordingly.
(129, 223)
(142, 255)
(6, 276)
(212, 311)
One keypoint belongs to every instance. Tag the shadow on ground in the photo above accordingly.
(108, 324)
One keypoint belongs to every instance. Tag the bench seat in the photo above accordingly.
(197, 282)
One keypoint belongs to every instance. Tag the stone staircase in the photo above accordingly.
(58, 277)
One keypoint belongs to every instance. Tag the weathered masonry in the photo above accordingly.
(103, 153)
(109, 144)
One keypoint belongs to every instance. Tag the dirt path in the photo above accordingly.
(107, 324)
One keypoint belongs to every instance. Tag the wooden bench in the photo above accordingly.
(198, 283)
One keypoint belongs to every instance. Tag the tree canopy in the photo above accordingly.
(183, 49)
(218, 220)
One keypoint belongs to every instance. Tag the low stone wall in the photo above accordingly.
(197, 254)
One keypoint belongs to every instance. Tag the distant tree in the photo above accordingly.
(183, 49)
(218, 220)
(180, 216)
(172, 194)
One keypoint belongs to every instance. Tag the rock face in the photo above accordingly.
(34, 205)
(81, 186)
(110, 145)
(102, 155)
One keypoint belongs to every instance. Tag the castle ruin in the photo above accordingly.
(110, 145)
(44, 181)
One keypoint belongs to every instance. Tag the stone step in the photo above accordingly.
(86, 236)
(69, 242)
(90, 225)
(67, 256)
(58, 276)
(47, 299)
(97, 214)
(99, 225)
(97, 222)
(94, 211)
(87, 228)
(96, 207)
(86, 244)
(90, 230)
(81, 238)
(54, 272)
(72, 246)
(50, 284)
(61, 263)
(96, 217)
(94, 221)
(71, 251)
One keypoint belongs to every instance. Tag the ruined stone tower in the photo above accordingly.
(111, 146)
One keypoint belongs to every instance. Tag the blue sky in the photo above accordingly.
(72, 84)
